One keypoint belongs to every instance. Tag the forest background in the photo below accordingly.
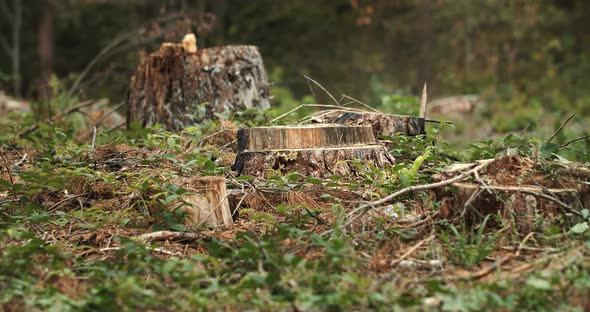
(525, 60)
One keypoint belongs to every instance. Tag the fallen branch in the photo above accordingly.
(167, 235)
(360, 211)
(156, 249)
(531, 249)
(395, 262)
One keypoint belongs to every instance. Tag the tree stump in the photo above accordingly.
(317, 150)
(172, 83)
(516, 190)
(208, 203)
(382, 124)
(300, 137)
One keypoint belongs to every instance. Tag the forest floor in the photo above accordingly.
(96, 226)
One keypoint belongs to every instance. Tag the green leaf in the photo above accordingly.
(245, 178)
(178, 227)
(547, 149)
(580, 228)
(171, 142)
(538, 283)
(314, 181)
(209, 165)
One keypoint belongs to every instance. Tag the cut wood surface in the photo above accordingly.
(382, 124)
(172, 83)
(301, 137)
(318, 162)
(317, 150)
(208, 203)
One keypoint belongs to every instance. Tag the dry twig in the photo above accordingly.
(167, 235)
(105, 116)
(360, 211)
(359, 102)
(574, 140)
(395, 262)
(561, 127)
(316, 105)
(322, 87)
(157, 249)
(7, 166)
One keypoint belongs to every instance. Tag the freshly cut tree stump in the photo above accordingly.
(172, 83)
(298, 137)
(209, 205)
(382, 124)
(317, 150)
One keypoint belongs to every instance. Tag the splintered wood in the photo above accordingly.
(317, 150)
(382, 124)
(207, 203)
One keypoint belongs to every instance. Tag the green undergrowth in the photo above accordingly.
(69, 218)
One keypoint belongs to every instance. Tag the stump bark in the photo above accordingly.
(208, 203)
(172, 83)
(317, 150)
(382, 124)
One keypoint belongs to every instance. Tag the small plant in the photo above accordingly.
(467, 248)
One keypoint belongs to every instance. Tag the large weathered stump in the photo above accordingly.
(207, 203)
(317, 150)
(382, 124)
(172, 83)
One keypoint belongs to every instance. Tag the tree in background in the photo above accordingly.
(12, 13)
(510, 51)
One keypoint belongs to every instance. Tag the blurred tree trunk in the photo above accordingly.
(424, 38)
(16, 28)
(46, 50)
(14, 17)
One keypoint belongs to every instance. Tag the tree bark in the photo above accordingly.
(317, 162)
(46, 50)
(424, 41)
(16, 33)
(171, 84)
